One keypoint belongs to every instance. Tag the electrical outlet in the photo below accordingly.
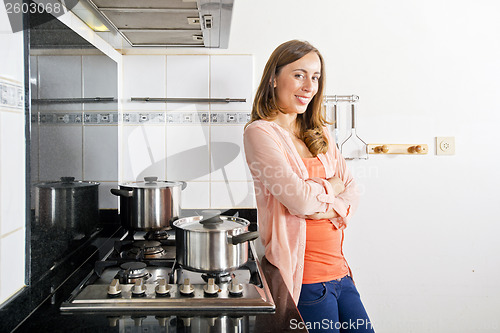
(445, 145)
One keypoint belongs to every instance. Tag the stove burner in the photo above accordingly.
(218, 277)
(156, 235)
(132, 271)
(148, 249)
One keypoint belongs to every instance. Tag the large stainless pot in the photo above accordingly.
(67, 205)
(150, 205)
(215, 244)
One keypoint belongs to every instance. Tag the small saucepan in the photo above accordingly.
(150, 205)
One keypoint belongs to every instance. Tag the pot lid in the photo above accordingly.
(153, 182)
(67, 182)
(197, 223)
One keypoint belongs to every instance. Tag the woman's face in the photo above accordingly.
(297, 83)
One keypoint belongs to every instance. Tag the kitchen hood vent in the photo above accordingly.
(188, 23)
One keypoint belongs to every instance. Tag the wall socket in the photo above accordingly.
(445, 145)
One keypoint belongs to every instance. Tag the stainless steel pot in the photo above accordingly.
(67, 205)
(149, 205)
(215, 244)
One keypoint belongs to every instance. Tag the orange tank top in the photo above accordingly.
(323, 260)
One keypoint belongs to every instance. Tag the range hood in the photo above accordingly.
(188, 23)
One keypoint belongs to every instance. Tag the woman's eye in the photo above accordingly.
(316, 78)
(299, 76)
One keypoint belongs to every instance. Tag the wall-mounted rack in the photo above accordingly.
(74, 100)
(341, 98)
(188, 100)
(404, 149)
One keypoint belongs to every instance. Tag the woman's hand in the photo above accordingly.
(337, 184)
(338, 187)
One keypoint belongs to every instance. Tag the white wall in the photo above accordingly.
(12, 160)
(423, 244)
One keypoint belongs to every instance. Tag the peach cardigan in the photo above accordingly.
(285, 195)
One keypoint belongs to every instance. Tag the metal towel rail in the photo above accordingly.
(74, 100)
(188, 100)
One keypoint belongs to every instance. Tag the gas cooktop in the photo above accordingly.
(141, 274)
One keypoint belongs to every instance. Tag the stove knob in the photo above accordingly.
(163, 289)
(186, 321)
(211, 288)
(211, 321)
(114, 288)
(113, 321)
(186, 288)
(138, 320)
(235, 289)
(139, 289)
(236, 322)
(162, 321)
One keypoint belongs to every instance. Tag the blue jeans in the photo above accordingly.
(333, 306)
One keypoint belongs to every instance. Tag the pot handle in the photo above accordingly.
(122, 193)
(246, 236)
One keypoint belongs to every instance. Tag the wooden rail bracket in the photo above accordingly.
(405, 149)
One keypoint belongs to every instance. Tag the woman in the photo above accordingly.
(305, 193)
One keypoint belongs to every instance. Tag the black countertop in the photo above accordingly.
(286, 318)
(48, 318)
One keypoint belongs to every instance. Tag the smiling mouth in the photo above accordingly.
(303, 100)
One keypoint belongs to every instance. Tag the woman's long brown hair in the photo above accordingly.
(265, 105)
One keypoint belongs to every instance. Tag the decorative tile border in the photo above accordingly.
(144, 117)
(134, 118)
(101, 118)
(72, 118)
(183, 118)
(229, 117)
(11, 95)
(67, 118)
(187, 117)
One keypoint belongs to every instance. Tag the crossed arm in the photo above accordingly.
(338, 187)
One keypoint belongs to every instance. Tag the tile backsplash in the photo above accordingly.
(201, 143)
(75, 139)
